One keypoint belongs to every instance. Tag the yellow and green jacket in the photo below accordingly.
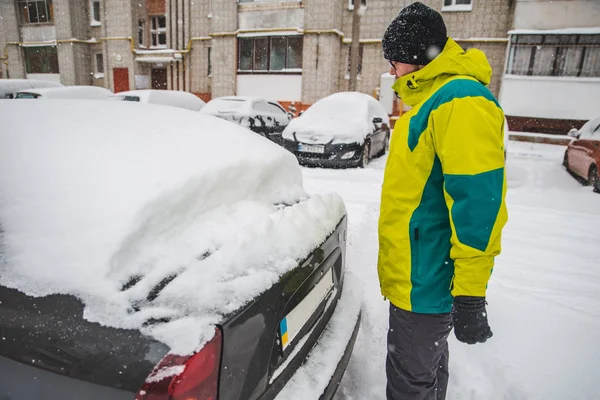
(442, 202)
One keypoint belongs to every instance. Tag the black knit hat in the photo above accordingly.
(416, 36)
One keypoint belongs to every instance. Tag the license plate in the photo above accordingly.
(307, 148)
(293, 323)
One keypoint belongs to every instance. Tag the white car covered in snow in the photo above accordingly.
(136, 262)
(173, 98)
(67, 92)
(8, 87)
(344, 129)
(267, 118)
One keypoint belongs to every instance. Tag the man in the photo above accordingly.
(442, 204)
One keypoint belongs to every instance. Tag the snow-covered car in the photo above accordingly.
(344, 129)
(173, 98)
(67, 92)
(8, 87)
(582, 157)
(267, 118)
(136, 262)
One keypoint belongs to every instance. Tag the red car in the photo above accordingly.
(582, 157)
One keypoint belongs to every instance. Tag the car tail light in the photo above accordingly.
(194, 377)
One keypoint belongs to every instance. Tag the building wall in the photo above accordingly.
(551, 103)
(322, 49)
(3, 50)
(16, 64)
(118, 25)
(197, 59)
(548, 97)
(224, 48)
(556, 14)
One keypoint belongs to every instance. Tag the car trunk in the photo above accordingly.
(258, 359)
(48, 350)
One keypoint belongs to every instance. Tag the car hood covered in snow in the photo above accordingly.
(339, 118)
(146, 215)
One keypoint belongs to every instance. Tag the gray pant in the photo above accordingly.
(417, 358)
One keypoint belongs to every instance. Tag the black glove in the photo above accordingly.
(470, 319)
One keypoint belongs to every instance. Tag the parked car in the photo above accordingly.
(8, 87)
(267, 118)
(344, 129)
(174, 98)
(67, 92)
(582, 157)
(138, 262)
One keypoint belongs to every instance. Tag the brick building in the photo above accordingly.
(283, 50)
(552, 75)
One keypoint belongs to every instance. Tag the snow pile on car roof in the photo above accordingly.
(173, 98)
(161, 221)
(339, 118)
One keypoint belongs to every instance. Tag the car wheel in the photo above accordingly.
(364, 158)
(594, 179)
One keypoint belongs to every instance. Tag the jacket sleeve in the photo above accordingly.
(468, 137)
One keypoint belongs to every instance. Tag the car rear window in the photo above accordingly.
(51, 333)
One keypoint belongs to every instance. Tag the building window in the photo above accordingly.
(209, 72)
(270, 54)
(141, 32)
(555, 55)
(95, 13)
(361, 49)
(99, 63)
(41, 60)
(158, 32)
(457, 5)
(363, 4)
(35, 12)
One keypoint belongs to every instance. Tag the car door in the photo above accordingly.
(580, 151)
(594, 154)
(279, 115)
(263, 123)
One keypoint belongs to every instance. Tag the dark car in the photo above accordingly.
(582, 157)
(138, 263)
(267, 118)
(344, 129)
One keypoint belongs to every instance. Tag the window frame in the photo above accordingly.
(99, 64)
(141, 39)
(278, 107)
(209, 61)
(361, 52)
(158, 31)
(49, 6)
(93, 20)
(363, 5)
(287, 69)
(453, 7)
(51, 63)
(559, 45)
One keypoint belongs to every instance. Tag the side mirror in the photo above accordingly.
(574, 133)
(377, 120)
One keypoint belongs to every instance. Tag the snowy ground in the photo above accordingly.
(544, 296)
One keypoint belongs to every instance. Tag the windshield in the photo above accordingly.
(225, 106)
(338, 107)
(26, 95)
